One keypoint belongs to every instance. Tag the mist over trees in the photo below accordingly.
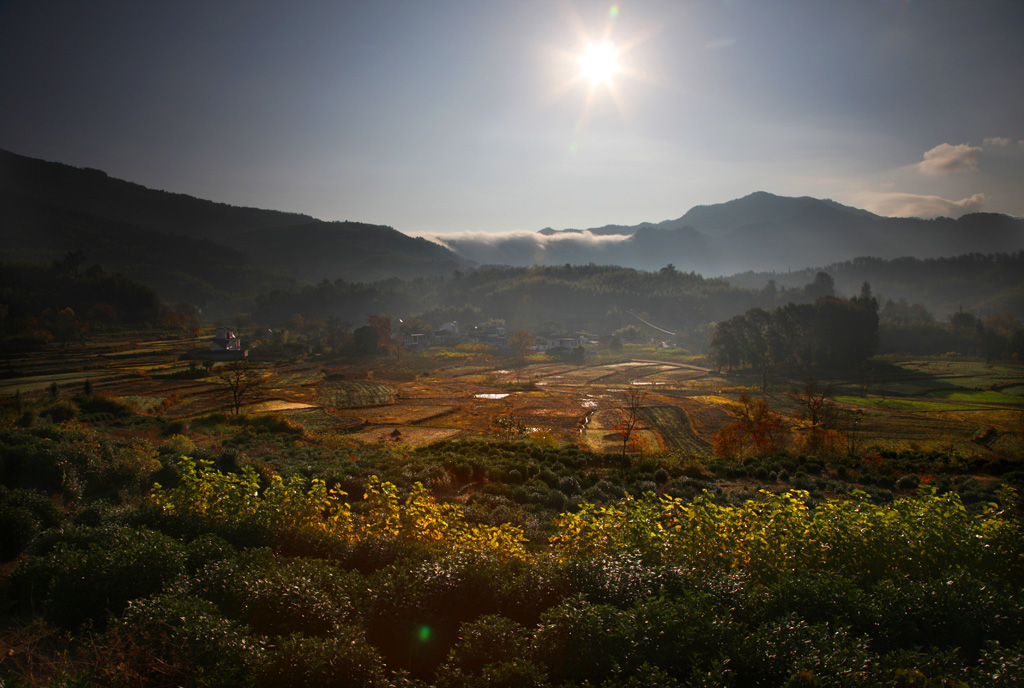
(830, 333)
(813, 324)
(987, 284)
(563, 298)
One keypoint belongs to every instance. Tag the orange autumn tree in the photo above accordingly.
(758, 431)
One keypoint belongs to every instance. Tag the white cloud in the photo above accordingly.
(998, 141)
(946, 159)
(525, 248)
(894, 204)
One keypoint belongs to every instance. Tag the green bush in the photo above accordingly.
(76, 462)
(94, 572)
(19, 527)
(818, 599)
(343, 660)
(947, 612)
(492, 651)
(23, 514)
(271, 423)
(579, 641)
(104, 405)
(60, 411)
(1000, 666)
(189, 633)
(277, 597)
(790, 652)
(622, 579)
(416, 607)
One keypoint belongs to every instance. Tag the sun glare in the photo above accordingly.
(600, 69)
(600, 63)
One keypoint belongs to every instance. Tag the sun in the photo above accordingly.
(599, 63)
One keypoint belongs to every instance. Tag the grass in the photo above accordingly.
(974, 396)
(906, 404)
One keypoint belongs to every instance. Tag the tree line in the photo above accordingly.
(830, 333)
(63, 300)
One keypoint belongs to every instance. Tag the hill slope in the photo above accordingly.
(48, 210)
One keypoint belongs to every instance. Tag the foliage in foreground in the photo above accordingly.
(222, 579)
(283, 505)
(927, 534)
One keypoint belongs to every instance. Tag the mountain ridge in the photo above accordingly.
(191, 249)
(49, 209)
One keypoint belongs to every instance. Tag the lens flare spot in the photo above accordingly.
(424, 634)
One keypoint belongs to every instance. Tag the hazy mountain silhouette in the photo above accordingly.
(189, 248)
(762, 231)
(192, 249)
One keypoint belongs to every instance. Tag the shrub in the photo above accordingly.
(959, 611)
(74, 461)
(23, 513)
(622, 578)
(178, 446)
(1000, 666)
(60, 411)
(189, 633)
(19, 527)
(579, 641)
(344, 660)
(278, 597)
(789, 651)
(98, 571)
(491, 651)
(272, 423)
(104, 405)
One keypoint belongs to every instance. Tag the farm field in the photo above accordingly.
(919, 405)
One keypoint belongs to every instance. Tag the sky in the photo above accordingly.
(464, 116)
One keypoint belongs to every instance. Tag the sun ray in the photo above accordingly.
(600, 67)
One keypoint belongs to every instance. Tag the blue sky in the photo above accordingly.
(471, 116)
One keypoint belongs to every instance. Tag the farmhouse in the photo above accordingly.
(226, 346)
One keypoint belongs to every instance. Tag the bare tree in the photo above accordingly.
(242, 380)
(630, 416)
(817, 408)
(816, 404)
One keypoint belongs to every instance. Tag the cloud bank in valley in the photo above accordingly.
(896, 204)
(528, 248)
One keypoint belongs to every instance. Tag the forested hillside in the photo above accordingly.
(189, 249)
(987, 284)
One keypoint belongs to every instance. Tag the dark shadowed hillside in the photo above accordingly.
(353, 250)
(188, 248)
(92, 192)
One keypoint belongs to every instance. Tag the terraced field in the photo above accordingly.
(922, 404)
(673, 426)
(353, 393)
